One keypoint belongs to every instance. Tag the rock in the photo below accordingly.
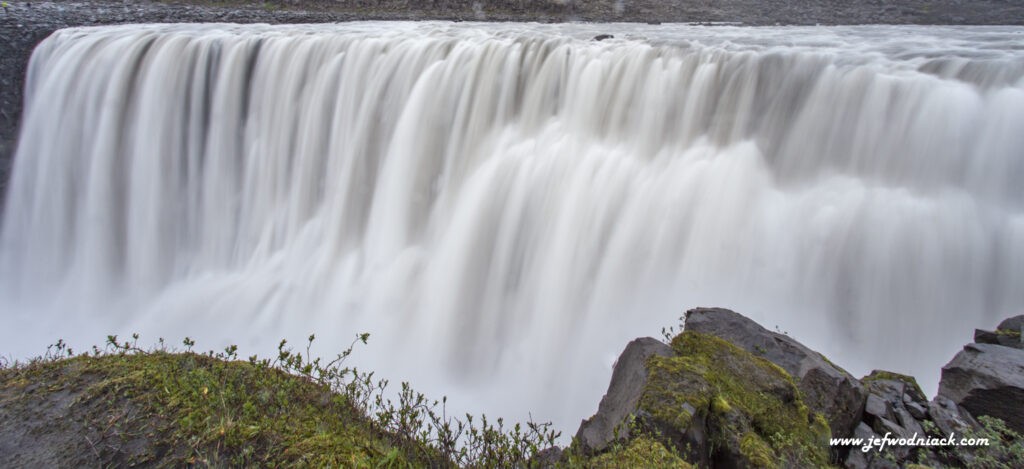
(909, 423)
(547, 458)
(888, 427)
(987, 379)
(887, 411)
(628, 380)
(918, 411)
(601, 37)
(857, 459)
(1015, 323)
(826, 388)
(1008, 333)
(949, 417)
(877, 407)
(985, 337)
(722, 406)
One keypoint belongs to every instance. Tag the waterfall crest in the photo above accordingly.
(504, 206)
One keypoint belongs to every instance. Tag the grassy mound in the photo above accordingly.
(184, 408)
(127, 406)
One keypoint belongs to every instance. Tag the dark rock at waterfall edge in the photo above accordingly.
(826, 388)
(708, 401)
(1009, 333)
(987, 379)
(629, 378)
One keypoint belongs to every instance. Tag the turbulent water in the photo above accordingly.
(504, 206)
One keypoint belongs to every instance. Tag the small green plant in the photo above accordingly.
(669, 333)
(1005, 446)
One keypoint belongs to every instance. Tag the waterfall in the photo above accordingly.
(504, 206)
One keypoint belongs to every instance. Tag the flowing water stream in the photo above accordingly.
(504, 206)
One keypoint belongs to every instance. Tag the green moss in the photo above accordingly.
(1008, 332)
(217, 412)
(720, 405)
(742, 395)
(880, 375)
(640, 452)
(758, 453)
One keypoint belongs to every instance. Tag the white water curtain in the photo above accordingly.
(504, 206)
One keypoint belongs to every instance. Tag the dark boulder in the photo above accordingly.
(826, 388)
(871, 459)
(722, 406)
(1008, 333)
(949, 417)
(628, 380)
(987, 379)
(1015, 323)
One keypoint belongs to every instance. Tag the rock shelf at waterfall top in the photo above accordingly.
(724, 392)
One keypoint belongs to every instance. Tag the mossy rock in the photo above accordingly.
(640, 452)
(715, 402)
(173, 410)
(880, 375)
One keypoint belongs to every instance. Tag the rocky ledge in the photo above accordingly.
(727, 392)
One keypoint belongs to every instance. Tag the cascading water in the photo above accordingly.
(504, 206)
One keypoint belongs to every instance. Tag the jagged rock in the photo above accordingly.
(894, 397)
(858, 459)
(628, 380)
(548, 458)
(1008, 333)
(909, 423)
(1015, 323)
(949, 417)
(987, 379)
(985, 337)
(877, 407)
(918, 411)
(826, 388)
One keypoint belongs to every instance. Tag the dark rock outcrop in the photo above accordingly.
(710, 402)
(826, 388)
(949, 417)
(729, 393)
(1009, 333)
(629, 378)
(987, 379)
(891, 396)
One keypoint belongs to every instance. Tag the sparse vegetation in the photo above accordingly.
(172, 408)
(125, 405)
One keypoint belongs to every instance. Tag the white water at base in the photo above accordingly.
(504, 206)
